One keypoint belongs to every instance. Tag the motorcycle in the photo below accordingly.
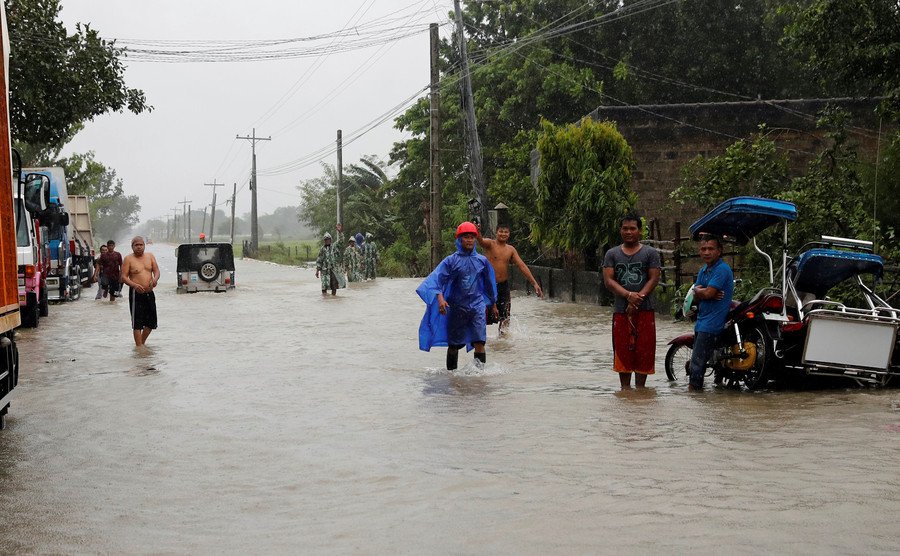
(745, 350)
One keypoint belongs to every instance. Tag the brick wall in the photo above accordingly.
(665, 137)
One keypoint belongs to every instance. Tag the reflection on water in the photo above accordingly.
(316, 423)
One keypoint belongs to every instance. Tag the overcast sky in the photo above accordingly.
(189, 139)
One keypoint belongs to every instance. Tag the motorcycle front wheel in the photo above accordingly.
(678, 363)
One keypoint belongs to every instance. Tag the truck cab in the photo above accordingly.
(64, 275)
(31, 197)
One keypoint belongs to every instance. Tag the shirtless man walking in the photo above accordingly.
(501, 254)
(141, 273)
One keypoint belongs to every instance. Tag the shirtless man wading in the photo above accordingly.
(501, 254)
(141, 273)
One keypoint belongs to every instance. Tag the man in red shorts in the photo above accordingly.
(631, 272)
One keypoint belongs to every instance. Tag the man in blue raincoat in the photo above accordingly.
(456, 294)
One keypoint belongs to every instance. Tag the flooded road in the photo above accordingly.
(271, 420)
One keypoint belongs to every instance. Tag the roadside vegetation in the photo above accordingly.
(58, 82)
(775, 49)
(288, 252)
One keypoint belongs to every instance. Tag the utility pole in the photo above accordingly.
(340, 174)
(174, 224)
(254, 228)
(473, 144)
(436, 200)
(203, 226)
(212, 220)
(190, 229)
(233, 199)
(184, 207)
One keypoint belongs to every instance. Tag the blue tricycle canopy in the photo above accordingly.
(742, 218)
(818, 270)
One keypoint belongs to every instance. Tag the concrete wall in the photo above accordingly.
(587, 287)
(562, 285)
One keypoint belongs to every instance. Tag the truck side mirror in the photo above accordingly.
(37, 193)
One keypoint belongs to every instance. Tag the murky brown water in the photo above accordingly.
(270, 420)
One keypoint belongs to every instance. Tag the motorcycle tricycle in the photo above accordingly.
(745, 350)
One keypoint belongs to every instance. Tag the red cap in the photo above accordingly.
(466, 228)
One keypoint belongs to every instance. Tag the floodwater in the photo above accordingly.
(271, 420)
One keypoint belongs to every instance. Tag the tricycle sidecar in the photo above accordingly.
(831, 338)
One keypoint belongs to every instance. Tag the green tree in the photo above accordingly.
(112, 211)
(83, 173)
(58, 81)
(750, 167)
(512, 186)
(830, 195)
(851, 46)
(365, 196)
(584, 185)
(522, 72)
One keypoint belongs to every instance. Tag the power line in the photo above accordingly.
(309, 72)
(511, 47)
(352, 77)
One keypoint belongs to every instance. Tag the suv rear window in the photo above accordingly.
(190, 257)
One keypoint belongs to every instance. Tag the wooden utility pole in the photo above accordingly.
(174, 235)
(184, 220)
(254, 228)
(473, 143)
(340, 174)
(212, 219)
(436, 200)
(203, 226)
(233, 199)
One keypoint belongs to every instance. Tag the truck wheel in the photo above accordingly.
(44, 304)
(30, 314)
(75, 285)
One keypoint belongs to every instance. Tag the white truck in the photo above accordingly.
(32, 251)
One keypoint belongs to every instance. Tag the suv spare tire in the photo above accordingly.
(208, 271)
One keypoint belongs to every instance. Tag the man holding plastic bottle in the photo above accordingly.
(713, 290)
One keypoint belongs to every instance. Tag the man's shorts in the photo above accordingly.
(503, 303)
(143, 309)
(634, 342)
(112, 284)
(465, 326)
